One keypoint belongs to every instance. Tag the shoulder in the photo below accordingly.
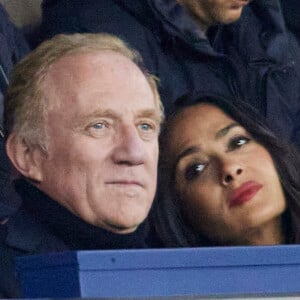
(9, 285)
(28, 236)
(20, 236)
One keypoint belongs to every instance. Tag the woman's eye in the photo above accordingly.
(238, 142)
(194, 171)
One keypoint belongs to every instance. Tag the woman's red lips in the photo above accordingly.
(244, 193)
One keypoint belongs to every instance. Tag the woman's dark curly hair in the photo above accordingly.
(167, 218)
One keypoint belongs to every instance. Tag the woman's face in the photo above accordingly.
(226, 182)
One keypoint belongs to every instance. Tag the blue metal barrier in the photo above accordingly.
(218, 271)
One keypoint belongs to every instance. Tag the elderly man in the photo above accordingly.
(82, 121)
(237, 49)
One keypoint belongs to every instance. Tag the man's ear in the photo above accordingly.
(25, 158)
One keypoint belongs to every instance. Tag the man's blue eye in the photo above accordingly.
(145, 126)
(98, 126)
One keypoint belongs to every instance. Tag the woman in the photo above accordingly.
(225, 179)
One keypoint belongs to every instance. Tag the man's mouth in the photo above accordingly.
(125, 183)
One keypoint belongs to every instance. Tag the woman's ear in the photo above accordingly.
(25, 158)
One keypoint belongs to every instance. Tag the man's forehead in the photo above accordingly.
(89, 60)
(107, 69)
(83, 69)
(85, 83)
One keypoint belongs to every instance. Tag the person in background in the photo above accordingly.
(229, 180)
(82, 121)
(237, 49)
(13, 47)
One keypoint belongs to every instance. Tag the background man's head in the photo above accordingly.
(82, 121)
(211, 12)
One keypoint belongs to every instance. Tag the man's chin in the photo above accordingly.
(121, 229)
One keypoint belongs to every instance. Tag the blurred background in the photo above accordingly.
(23, 12)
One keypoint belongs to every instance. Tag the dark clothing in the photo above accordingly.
(255, 59)
(42, 225)
(12, 48)
(9, 199)
(291, 12)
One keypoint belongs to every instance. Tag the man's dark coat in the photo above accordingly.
(41, 225)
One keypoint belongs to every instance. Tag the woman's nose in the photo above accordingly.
(231, 170)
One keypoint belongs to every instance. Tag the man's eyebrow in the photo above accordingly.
(150, 113)
(108, 113)
(95, 114)
(222, 132)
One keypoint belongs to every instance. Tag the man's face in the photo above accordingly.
(102, 125)
(210, 12)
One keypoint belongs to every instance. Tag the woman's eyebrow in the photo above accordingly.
(222, 132)
(187, 152)
(196, 149)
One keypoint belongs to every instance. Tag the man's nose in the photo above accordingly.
(231, 170)
(129, 148)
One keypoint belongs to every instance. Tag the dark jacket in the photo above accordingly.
(12, 48)
(255, 59)
(291, 12)
(41, 225)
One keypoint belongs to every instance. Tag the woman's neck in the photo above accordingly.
(270, 233)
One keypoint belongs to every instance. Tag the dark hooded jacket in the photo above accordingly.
(255, 59)
(41, 225)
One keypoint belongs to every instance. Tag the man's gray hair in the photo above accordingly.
(26, 102)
